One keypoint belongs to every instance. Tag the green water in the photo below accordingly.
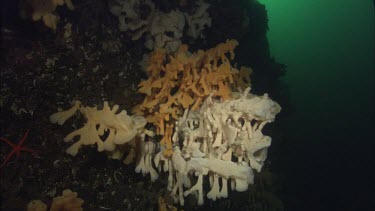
(328, 46)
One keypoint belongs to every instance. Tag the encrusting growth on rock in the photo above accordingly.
(121, 127)
(183, 80)
(68, 201)
(45, 10)
(208, 128)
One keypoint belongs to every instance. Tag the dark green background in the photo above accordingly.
(328, 46)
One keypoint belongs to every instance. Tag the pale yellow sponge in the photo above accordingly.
(105, 127)
(45, 10)
(36, 205)
(69, 201)
(61, 117)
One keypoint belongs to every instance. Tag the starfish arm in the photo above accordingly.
(7, 159)
(8, 142)
(24, 137)
(32, 151)
(18, 153)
